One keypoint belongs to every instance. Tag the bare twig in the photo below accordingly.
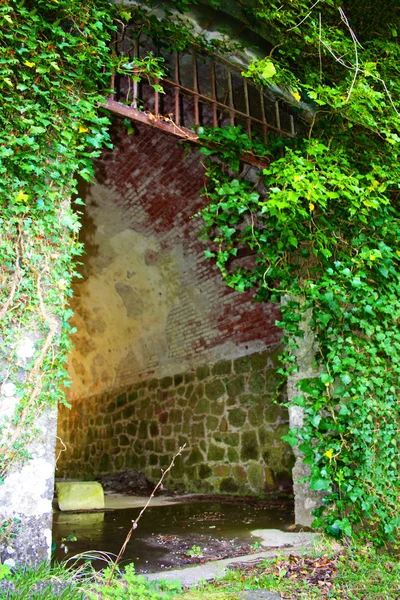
(136, 521)
(306, 17)
(356, 43)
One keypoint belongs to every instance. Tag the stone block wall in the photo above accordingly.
(224, 413)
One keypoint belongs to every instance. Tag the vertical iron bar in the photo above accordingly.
(231, 103)
(214, 94)
(177, 94)
(263, 118)
(195, 88)
(135, 83)
(156, 99)
(277, 115)
(247, 105)
(292, 129)
(112, 84)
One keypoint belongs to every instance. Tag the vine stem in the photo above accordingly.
(136, 521)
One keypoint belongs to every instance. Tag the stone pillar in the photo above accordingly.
(26, 493)
(305, 499)
(26, 498)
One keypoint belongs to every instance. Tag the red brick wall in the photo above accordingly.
(157, 183)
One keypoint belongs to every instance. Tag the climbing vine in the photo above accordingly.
(319, 223)
(320, 228)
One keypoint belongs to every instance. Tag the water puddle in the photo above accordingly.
(172, 535)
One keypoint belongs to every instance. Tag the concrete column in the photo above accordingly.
(305, 499)
(26, 493)
(26, 498)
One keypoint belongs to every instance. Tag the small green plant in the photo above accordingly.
(194, 552)
(256, 546)
(131, 586)
(70, 538)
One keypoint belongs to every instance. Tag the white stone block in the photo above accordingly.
(80, 495)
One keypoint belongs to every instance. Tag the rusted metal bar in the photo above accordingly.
(292, 129)
(195, 88)
(247, 106)
(135, 83)
(263, 118)
(169, 126)
(214, 95)
(231, 103)
(277, 115)
(177, 89)
(112, 84)
(222, 106)
(157, 99)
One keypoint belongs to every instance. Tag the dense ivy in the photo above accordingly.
(321, 229)
(320, 225)
(54, 71)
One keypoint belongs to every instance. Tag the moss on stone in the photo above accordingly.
(159, 446)
(198, 430)
(236, 386)
(154, 431)
(179, 468)
(266, 437)
(202, 372)
(222, 471)
(142, 433)
(153, 460)
(249, 446)
(175, 415)
(237, 417)
(105, 464)
(202, 407)
(119, 462)
(132, 396)
(228, 486)
(233, 455)
(212, 423)
(189, 377)
(255, 475)
(215, 453)
(111, 408)
(224, 367)
(205, 471)
(124, 440)
(128, 412)
(273, 412)
(214, 389)
(257, 383)
(269, 479)
(170, 445)
(149, 445)
(131, 429)
(259, 361)
(166, 382)
(152, 384)
(195, 457)
(121, 400)
(242, 364)
(178, 379)
(217, 408)
(256, 415)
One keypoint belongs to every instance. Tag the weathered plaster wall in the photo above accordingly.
(150, 303)
(225, 414)
(150, 311)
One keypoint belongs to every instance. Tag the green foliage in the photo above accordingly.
(321, 229)
(352, 573)
(131, 586)
(54, 72)
(43, 582)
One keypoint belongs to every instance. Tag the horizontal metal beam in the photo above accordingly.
(168, 126)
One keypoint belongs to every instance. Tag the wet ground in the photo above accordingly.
(196, 530)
